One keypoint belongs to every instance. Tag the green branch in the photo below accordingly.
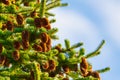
(103, 70)
(42, 8)
(97, 51)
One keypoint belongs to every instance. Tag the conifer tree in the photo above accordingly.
(26, 51)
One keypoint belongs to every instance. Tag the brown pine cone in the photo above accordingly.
(6, 2)
(37, 22)
(19, 19)
(37, 47)
(44, 47)
(49, 41)
(66, 68)
(9, 25)
(25, 44)
(4, 26)
(44, 22)
(48, 47)
(33, 14)
(44, 37)
(16, 55)
(48, 27)
(84, 66)
(25, 35)
(16, 45)
(52, 65)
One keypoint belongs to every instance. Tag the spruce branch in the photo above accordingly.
(36, 70)
(52, 5)
(42, 8)
(26, 50)
(49, 14)
(103, 70)
(97, 51)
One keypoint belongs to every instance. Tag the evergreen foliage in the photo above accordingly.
(26, 52)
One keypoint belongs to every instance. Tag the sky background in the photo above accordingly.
(91, 21)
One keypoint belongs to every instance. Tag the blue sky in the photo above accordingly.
(91, 21)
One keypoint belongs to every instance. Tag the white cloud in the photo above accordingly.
(75, 26)
(110, 10)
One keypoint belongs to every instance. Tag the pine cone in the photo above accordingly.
(19, 19)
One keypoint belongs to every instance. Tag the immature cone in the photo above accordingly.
(44, 37)
(48, 27)
(25, 35)
(37, 47)
(52, 65)
(44, 22)
(19, 19)
(9, 25)
(16, 45)
(66, 68)
(33, 14)
(4, 26)
(84, 66)
(37, 22)
(48, 47)
(6, 2)
(16, 55)
(48, 41)
(25, 44)
(48, 44)
(44, 47)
